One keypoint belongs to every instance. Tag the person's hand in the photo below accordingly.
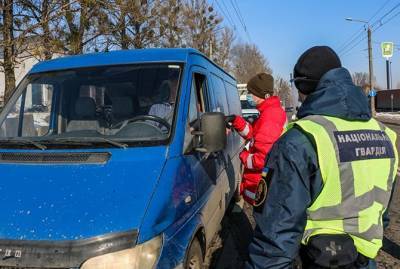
(228, 120)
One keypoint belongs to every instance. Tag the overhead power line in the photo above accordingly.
(227, 11)
(352, 47)
(222, 6)
(241, 20)
(232, 23)
(360, 32)
(237, 14)
(379, 10)
(380, 22)
(240, 13)
(386, 14)
(387, 21)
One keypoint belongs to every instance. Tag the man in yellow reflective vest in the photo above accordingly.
(330, 176)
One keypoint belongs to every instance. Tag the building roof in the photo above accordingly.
(114, 58)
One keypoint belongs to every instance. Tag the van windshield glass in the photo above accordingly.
(93, 105)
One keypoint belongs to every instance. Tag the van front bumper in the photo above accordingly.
(62, 254)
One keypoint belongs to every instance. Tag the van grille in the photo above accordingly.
(54, 157)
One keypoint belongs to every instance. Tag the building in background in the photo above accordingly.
(20, 71)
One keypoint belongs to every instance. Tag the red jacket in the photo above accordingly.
(261, 135)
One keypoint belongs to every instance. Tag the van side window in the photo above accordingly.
(201, 92)
(193, 106)
(221, 104)
(197, 106)
(232, 94)
(198, 102)
(30, 115)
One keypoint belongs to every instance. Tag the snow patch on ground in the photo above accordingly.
(389, 117)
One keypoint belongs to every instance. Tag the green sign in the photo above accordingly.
(387, 49)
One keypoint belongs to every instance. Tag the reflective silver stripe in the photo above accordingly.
(373, 232)
(250, 194)
(245, 131)
(392, 164)
(354, 204)
(250, 161)
(306, 234)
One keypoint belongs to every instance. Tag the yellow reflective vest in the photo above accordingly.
(358, 164)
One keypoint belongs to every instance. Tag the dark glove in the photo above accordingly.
(228, 120)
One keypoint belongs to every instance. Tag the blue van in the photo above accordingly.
(117, 160)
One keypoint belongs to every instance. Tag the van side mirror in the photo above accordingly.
(212, 132)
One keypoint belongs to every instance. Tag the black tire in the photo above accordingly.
(194, 257)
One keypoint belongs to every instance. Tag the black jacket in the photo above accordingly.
(294, 177)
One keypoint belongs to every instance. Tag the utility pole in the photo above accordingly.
(211, 48)
(371, 70)
(371, 67)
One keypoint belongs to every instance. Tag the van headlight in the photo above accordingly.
(143, 256)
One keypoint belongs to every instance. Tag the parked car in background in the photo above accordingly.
(249, 111)
(117, 160)
(289, 109)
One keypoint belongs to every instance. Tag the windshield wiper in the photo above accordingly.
(93, 140)
(109, 141)
(24, 141)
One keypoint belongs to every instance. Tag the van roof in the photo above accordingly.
(120, 57)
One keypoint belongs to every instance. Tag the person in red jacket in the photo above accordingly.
(260, 135)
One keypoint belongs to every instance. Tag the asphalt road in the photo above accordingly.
(396, 128)
(229, 249)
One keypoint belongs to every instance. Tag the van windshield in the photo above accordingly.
(114, 105)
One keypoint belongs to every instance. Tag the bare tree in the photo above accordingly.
(118, 22)
(223, 48)
(171, 24)
(40, 22)
(248, 60)
(42, 28)
(84, 22)
(284, 91)
(133, 24)
(199, 24)
(360, 78)
(8, 46)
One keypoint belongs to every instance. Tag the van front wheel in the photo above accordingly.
(194, 258)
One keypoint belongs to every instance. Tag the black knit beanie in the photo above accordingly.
(312, 65)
